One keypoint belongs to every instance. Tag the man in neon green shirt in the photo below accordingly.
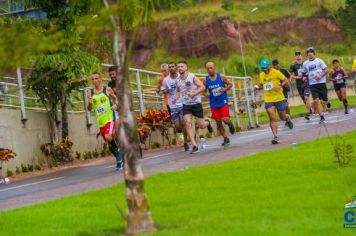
(100, 98)
(272, 82)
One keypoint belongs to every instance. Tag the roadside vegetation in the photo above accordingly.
(299, 191)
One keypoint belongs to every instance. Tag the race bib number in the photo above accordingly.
(300, 72)
(267, 86)
(101, 110)
(216, 91)
(339, 79)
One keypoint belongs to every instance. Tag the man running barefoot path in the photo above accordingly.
(218, 84)
(169, 87)
(338, 76)
(188, 88)
(100, 98)
(270, 82)
(315, 70)
(302, 84)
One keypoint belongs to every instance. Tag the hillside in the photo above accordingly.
(208, 32)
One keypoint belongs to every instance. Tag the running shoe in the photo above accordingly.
(275, 140)
(289, 123)
(322, 120)
(119, 166)
(231, 128)
(226, 142)
(346, 111)
(194, 150)
(186, 147)
(307, 117)
(209, 127)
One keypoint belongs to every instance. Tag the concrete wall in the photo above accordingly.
(26, 139)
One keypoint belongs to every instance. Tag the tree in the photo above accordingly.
(57, 73)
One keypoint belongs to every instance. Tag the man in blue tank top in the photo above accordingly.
(218, 84)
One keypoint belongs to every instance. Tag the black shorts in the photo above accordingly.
(319, 91)
(195, 109)
(303, 91)
(339, 86)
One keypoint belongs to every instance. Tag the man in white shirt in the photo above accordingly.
(315, 70)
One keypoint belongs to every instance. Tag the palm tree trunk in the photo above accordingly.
(139, 217)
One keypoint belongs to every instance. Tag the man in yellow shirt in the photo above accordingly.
(354, 69)
(272, 82)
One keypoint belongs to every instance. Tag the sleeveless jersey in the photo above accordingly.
(185, 86)
(339, 76)
(102, 107)
(216, 98)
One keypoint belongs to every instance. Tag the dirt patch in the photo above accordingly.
(220, 36)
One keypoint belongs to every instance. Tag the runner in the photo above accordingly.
(270, 82)
(112, 84)
(165, 73)
(169, 87)
(100, 98)
(338, 76)
(315, 70)
(302, 85)
(218, 84)
(188, 88)
(286, 88)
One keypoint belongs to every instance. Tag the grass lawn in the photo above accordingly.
(282, 192)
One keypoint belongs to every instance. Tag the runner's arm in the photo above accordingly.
(112, 95)
(346, 75)
(330, 75)
(227, 82)
(177, 95)
(199, 84)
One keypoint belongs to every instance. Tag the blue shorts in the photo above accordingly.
(281, 105)
(176, 114)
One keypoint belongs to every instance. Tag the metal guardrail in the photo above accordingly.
(241, 96)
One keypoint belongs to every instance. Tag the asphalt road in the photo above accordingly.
(94, 176)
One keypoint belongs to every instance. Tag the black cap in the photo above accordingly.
(275, 62)
(310, 49)
(297, 53)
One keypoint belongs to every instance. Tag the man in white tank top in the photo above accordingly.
(188, 89)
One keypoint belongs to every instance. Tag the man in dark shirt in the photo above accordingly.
(286, 88)
(112, 74)
(302, 85)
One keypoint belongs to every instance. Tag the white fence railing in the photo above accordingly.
(143, 84)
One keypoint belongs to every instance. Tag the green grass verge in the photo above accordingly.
(284, 192)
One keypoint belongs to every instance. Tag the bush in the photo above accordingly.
(155, 145)
(18, 171)
(96, 154)
(9, 173)
(61, 152)
(52, 163)
(30, 167)
(24, 168)
(78, 155)
(38, 167)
